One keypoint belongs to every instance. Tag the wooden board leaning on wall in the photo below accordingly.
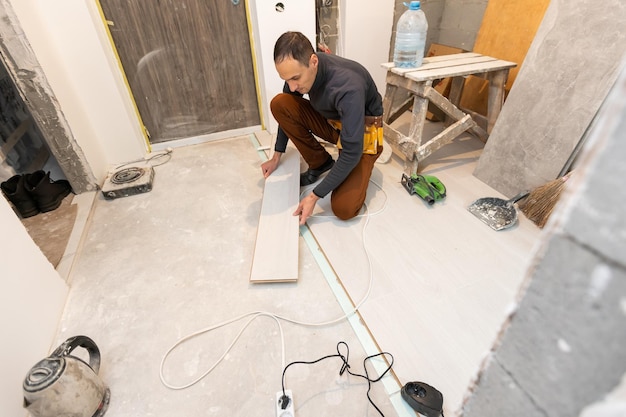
(507, 30)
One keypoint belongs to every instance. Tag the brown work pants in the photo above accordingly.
(300, 122)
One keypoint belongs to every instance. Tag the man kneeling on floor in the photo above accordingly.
(344, 108)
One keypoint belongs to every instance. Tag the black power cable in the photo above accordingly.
(345, 367)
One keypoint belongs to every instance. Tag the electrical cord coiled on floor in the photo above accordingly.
(345, 367)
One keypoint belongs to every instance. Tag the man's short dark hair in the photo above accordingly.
(293, 45)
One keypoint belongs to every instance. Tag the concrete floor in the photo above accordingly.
(156, 267)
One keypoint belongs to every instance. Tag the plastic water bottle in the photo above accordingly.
(410, 37)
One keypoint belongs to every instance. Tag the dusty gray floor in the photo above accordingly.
(159, 266)
(156, 267)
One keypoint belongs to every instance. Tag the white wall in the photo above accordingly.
(268, 24)
(365, 34)
(70, 42)
(32, 297)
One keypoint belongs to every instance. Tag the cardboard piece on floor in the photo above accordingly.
(276, 249)
(564, 80)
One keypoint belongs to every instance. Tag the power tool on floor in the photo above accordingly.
(428, 187)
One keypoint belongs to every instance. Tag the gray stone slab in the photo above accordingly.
(568, 71)
(461, 22)
(597, 217)
(499, 395)
(565, 343)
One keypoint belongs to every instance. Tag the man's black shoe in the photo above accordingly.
(16, 193)
(48, 194)
(311, 175)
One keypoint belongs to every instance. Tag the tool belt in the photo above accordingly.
(372, 136)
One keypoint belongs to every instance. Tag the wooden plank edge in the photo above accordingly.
(468, 69)
(438, 58)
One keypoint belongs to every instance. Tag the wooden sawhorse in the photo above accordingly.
(418, 82)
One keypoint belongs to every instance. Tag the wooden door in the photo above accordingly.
(188, 64)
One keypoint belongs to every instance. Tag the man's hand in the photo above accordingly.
(270, 165)
(305, 208)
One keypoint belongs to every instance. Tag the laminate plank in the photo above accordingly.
(443, 282)
(276, 248)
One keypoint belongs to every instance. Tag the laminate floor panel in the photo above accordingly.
(276, 250)
(443, 282)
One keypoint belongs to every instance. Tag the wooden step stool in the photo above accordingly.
(418, 82)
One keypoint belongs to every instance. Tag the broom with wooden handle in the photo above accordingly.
(540, 202)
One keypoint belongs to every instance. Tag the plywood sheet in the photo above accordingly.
(506, 32)
(564, 79)
(276, 249)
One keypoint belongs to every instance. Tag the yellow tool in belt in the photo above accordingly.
(372, 136)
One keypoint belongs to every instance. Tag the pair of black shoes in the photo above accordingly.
(35, 193)
(311, 175)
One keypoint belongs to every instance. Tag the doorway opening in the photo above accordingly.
(35, 134)
(24, 151)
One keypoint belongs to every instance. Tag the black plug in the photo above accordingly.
(284, 402)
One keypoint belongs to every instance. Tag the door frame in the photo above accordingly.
(32, 84)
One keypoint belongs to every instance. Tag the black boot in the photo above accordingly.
(47, 194)
(311, 175)
(16, 193)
